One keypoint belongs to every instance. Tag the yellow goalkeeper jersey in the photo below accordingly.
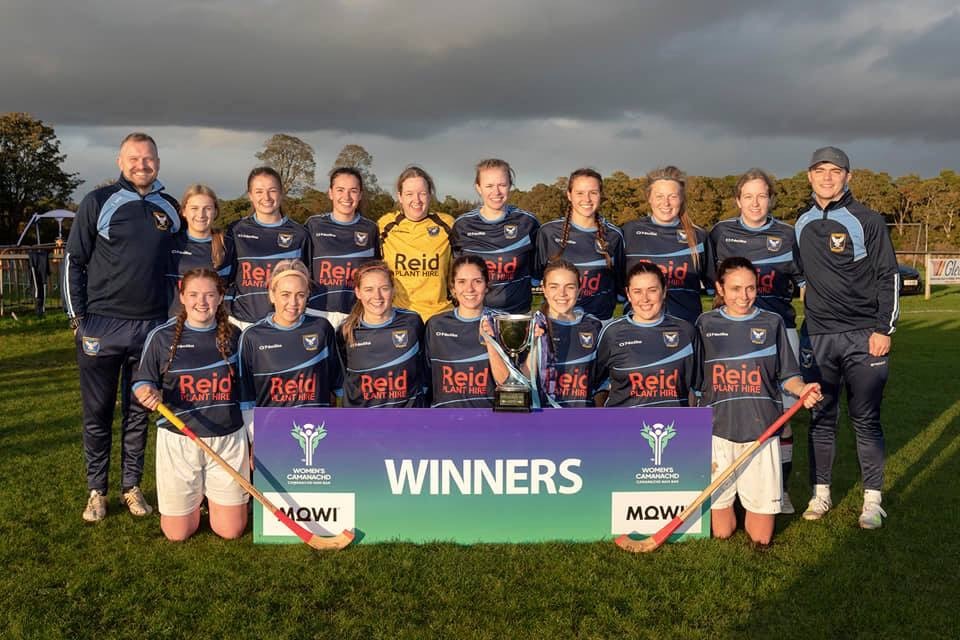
(419, 255)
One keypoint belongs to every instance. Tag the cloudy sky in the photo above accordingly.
(550, 85)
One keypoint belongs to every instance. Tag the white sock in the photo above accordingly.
(821, 491)
(871, 495)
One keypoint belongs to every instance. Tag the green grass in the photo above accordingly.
(120, 578)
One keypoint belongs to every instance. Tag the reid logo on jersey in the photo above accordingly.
(469, 382)
(661, 384)
(742, 379)
(311, 341)
(301, 388)
(205, 388)
(400, 338)
(384, 387)
(589, 283)
(676, 274)
(327, 273)
(573, 384)
(501, 270)
(254, 277)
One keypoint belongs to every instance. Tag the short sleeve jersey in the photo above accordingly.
(193, 253)
(600, 284)
(258, 247)
(508, 245)
(419, 255)
(384, 364)
(575, 349)
(770, 249)
(337, 250)
(289, 366)
(458, 363)
(745, 360)
(648, 364)
(199, 386)
(666, 246)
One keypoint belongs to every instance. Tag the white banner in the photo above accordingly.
(646, 512)
(322, 514)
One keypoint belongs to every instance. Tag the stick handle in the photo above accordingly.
(301, 533)
(661, 536)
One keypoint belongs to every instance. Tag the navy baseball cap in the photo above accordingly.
(832, 155)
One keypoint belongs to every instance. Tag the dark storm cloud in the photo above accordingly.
(414, 69)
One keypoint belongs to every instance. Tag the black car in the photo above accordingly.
(911, 283)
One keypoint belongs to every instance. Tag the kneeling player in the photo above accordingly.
(746, 361)
(648, 358)
(381, 347)
(187, 364)
(288, 359)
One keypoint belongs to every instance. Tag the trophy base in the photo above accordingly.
(512, 397)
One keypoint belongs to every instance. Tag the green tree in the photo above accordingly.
(30, 175)
(354, 155)
(292, 158)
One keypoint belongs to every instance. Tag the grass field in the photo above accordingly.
(120, 578)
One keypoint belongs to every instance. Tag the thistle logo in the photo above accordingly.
(309, 436)
(657, 437)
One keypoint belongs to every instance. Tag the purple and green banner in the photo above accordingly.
(471, 475)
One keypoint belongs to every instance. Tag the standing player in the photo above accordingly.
(648, 358)
(669, 239)
(188, 364)
(200, 245)
(415, 243)
(341, 241)
(288, 359)
(261, 240)
(768, 244)
(852, 305)
(114, 294)
(567, 368)
(461, 362)
(381, 347)
(501, 234)
(586, 239)
(746, 361)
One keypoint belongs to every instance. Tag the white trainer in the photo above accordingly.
(872, 515)
(819, 504)
(135, 501)
(96, 509)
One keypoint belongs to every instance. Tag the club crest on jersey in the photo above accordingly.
(433, 230)
(774, 244)
(361, 238)
(285, 240)
(671, 339)
(509, 231)
(681, 236)
(311, 341)
(91, 346)
(162, 220)
(586, 339)
(838, 242)
(806, 358)
(400, 338)
(758, 336)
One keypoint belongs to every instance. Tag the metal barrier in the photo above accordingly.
(17, 282)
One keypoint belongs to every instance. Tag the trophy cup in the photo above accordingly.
(514, 331)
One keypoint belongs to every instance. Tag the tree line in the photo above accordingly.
(31, 180)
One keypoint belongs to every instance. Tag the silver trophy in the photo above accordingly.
(514, 331)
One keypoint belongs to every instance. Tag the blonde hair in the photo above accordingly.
(217, 249)
(352, 320)
(673, 174)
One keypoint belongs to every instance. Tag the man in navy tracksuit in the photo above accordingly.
(114, 294)
(852, 305)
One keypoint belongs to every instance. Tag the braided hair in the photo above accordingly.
(602, 247)
(224, 328)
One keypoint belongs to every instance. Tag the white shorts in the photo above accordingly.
(239, 324)
(788, 398)
(185, 473)
(759, 482)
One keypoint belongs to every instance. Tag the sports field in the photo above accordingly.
(63, 578)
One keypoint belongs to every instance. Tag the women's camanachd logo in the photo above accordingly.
(309, 436)
(657, 437)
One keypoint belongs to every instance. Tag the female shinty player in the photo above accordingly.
(289, 358)
(188, 364)
(200, 245)
(568, 361)
(648, 358)
(747, 360)
(586, 239)
(460, 360)
(261, 240)
(502, 234)
(381, 347)
(670, 240)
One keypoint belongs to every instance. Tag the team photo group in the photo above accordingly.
(205, 323)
